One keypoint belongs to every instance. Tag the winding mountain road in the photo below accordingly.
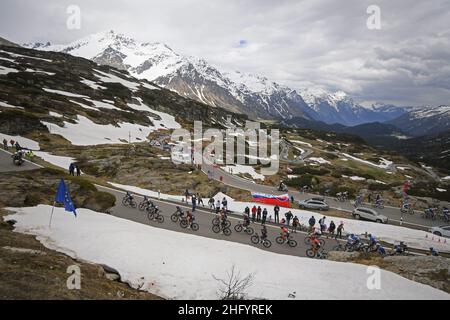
(393, 213)
(203, 217)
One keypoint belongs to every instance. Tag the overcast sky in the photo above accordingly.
(320, 43)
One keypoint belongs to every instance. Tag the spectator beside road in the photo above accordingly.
(340, 228)
(72, 169)
(288, 216)
(295, 224)
(276, 211)
(258, 214)
(264, 216)
(312, 223)
(254, 213)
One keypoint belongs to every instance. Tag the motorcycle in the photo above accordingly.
(17, 159)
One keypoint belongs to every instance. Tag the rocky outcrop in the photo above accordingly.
(343, 256)
(433, 271)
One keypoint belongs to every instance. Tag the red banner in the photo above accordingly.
(282, 200)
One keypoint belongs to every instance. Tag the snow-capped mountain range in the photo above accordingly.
(195, 78)
(426, 120)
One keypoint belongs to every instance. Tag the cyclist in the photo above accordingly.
(429, 213)
(315, 242)
(263, 232)
(180, 212)
(223, 218)
(129, 196)
(246, 220)
(148, 203)
(353, 240)
(190, 217)
(284, 233)
(405, 206)
(446, 213)
(433, 252)
(380, 249)
(372, 241)
(378, 200)
(358, 200)
(400, 248)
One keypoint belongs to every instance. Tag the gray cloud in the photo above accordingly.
(298, 43)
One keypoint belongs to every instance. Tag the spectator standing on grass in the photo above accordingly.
(369, 198)
(254, 213)
(5, 144)
(78, 171)
(247, 211)
(186, 194)
(264, 216)
(276, 211)
(288, 216)
(12, 143)
(72, 169)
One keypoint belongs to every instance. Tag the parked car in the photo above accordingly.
(442, 231)
(313, 204)
(369, 214)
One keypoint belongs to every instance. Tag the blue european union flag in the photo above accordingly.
(63, 196)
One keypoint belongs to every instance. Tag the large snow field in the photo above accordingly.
(243, 169)
(85, 132)
(181, 266)
(6, 105)
(384, 164)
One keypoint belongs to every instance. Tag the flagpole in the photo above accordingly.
(51, 216)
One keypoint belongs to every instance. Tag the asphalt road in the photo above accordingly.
(7, 165)
(204, 218)
(394, 214)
